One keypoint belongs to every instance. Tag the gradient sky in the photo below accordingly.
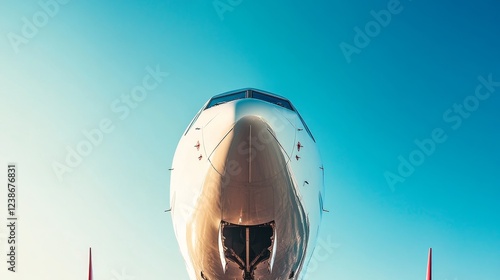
(63, 75)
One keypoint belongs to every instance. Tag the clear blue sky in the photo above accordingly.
(68, 69)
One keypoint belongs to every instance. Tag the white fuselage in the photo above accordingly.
(247, 190)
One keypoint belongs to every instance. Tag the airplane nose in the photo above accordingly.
(251, 163)
(282, 122)
(252, 152)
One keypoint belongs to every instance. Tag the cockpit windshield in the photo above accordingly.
(271, 99)
(221, 99)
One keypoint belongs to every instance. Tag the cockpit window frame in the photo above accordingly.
(273, 99)
(221, 99)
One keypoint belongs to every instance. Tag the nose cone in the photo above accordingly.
(250, 153)
(281, 121)
(251, 163)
